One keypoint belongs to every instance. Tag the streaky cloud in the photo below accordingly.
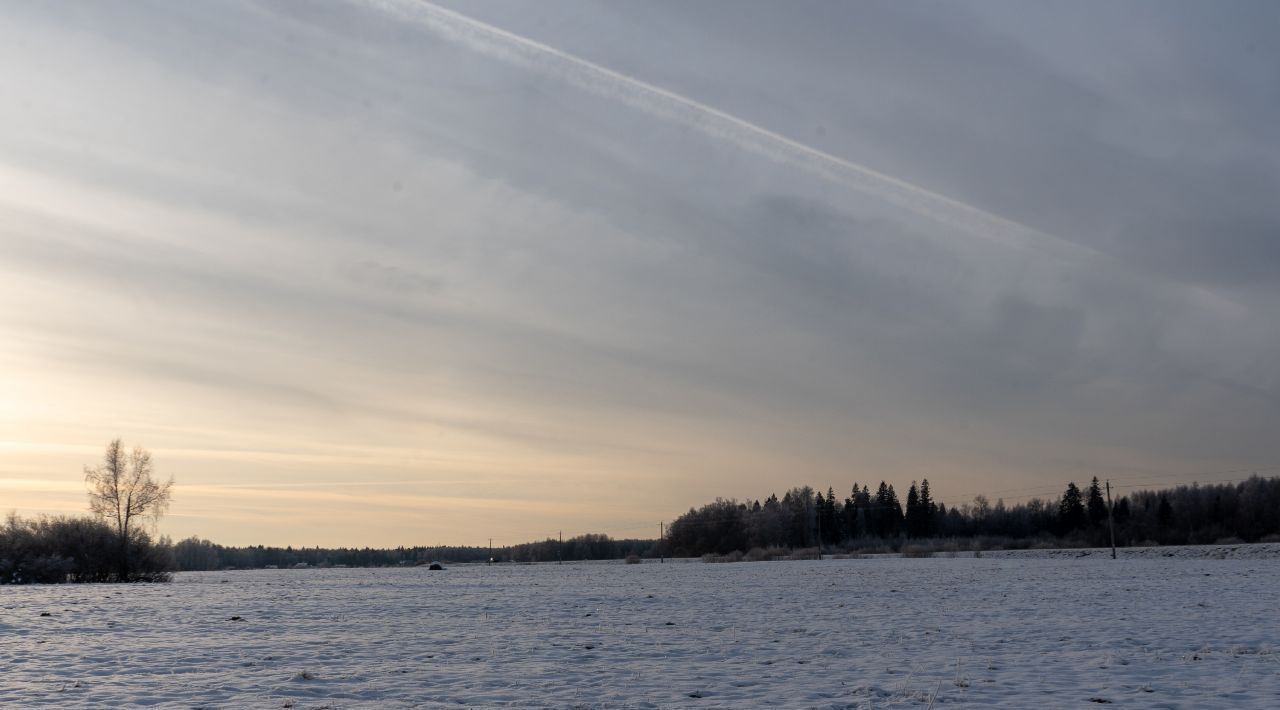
(602, 81)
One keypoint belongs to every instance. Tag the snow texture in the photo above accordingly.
(1045, 630)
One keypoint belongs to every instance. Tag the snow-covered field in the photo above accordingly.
(1183, 631)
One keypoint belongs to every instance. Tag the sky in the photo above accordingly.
(388, 272)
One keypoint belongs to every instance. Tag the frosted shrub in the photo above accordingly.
(52, 550)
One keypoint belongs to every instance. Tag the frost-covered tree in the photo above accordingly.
(123, 492)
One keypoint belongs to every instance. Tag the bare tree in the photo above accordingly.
(122, 491)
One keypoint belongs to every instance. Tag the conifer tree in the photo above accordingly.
(1071, 513)
(895, 512)
(819, 506)
(878, 508)
(831, 530)
(888, 511)
(930, 510)
(1164, 513)
(849, 515)
(1097, 507)
(1122, 511)
(913, 511)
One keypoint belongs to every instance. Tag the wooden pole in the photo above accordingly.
(1111, 524)
(662, 533)
(560, 550)
(818, 518)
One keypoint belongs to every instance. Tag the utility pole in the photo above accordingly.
(1111, 522)
(662, 533)
(490, 550)
(818, 518)
(560, 550)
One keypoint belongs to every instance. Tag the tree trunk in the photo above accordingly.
(124, 554)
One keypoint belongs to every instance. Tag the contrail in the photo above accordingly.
(602, 81)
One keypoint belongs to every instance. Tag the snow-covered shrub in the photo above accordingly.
(50, 550)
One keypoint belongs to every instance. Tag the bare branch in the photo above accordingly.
(122, 488)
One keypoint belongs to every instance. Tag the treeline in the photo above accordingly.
(1248, 511)
(68, 549)
(194, 554)
(582, 547)
(80, 549)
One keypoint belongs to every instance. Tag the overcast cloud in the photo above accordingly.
(584, 264)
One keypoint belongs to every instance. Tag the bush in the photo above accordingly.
(51, 550)
(870, 546)
(764, 554)
(735, 556)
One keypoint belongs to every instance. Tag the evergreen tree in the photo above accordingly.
(1071, 513)
(1164, 513)
(819, 518)
(831, 528)
(879, 510)
(888, 511)
(914, 513)
(895, 512)
(1122, 511)
(849, 516)
(930, 510)
(1097, 507)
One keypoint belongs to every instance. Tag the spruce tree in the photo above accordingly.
(891, 510)
(878, 511)
(850, 514)
(930, 510)
(831, 519)
(913, 511)
(1122, 510)
(1164, 513)
(895, 510)
(1071, 513)
(1097, 507)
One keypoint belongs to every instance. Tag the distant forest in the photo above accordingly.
(805, 519)
(194, 554)
(1248, 511)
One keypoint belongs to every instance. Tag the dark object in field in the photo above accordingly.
(45, 613)
(236, 618)
(436, 566)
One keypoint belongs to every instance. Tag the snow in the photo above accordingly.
(1035, 629)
